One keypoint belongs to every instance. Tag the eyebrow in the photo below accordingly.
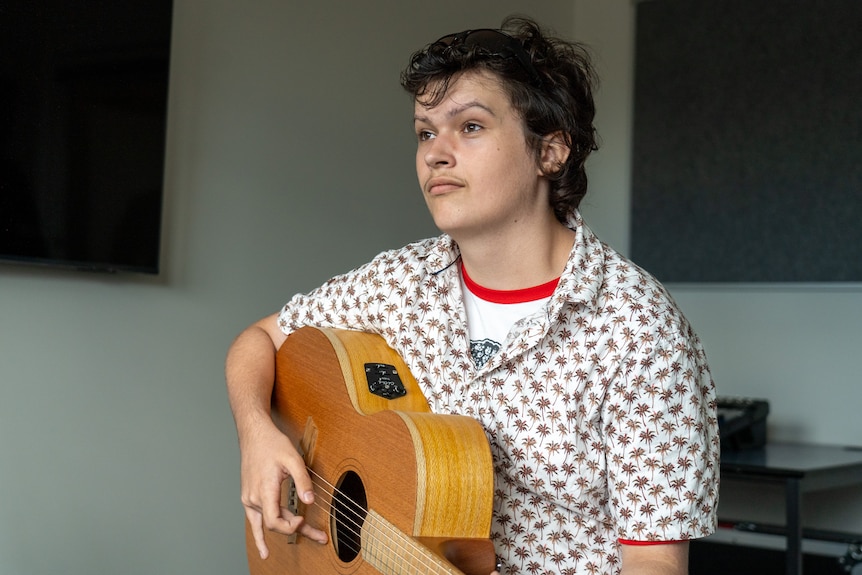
(458, 110)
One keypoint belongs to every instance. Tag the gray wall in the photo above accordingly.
(290, 159)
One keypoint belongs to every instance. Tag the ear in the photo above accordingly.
(555, 152)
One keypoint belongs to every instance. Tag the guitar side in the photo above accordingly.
(424, 481)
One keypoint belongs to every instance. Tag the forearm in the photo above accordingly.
(664, 559)
(267, 455)
(654, 568)
(249, 374)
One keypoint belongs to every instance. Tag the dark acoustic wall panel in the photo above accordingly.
(747, 157)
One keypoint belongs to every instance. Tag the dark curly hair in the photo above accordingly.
(549, 82)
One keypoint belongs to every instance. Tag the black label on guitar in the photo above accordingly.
(383, 380)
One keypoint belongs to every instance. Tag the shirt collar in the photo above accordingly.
(443, 254)
(584, 273)
(582, 276)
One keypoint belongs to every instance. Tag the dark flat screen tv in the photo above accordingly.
(83, 110)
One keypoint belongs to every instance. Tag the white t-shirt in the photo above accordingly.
(492, 313)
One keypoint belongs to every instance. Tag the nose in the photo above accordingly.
(439, 152)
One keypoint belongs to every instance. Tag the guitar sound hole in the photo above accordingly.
(349, 508)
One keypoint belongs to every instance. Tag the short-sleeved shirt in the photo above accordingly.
(599, 407)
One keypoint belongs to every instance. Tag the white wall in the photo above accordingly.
(794, 345)
(290, 159)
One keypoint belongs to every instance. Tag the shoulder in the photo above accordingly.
(601, 281)
(354, 299)
(641, 294)
(423, 256)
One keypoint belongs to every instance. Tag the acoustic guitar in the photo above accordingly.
(398, 489)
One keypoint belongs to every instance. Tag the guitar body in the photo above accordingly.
(399, 490)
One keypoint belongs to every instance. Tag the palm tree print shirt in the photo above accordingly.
(599, 407)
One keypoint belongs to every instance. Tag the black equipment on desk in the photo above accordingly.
(742, 422)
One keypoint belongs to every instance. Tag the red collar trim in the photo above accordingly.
(509, 296)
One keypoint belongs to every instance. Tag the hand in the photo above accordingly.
(268, 459)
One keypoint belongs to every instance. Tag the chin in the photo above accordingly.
(447, 226)
(453, 221)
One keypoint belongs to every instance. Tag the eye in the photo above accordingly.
(471, 127)
(424, 135)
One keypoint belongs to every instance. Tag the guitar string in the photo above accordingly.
(409, 554)
(354, 527)
(412, 551)
(409, 561)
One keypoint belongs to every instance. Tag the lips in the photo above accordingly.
(442, 185)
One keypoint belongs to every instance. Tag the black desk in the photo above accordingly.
(800, 468)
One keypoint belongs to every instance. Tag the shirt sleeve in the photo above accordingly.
(344, 302)
(661, 431)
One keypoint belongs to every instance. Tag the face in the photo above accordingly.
(477, 173)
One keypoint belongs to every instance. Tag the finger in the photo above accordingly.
(277, 518)
(306, 530)
(255, 522)
(313, 533)
(302, 484)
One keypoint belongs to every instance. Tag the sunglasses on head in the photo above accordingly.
(495, 43)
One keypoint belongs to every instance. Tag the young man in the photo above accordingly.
(592, 388)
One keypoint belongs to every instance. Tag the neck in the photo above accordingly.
(518, 261)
